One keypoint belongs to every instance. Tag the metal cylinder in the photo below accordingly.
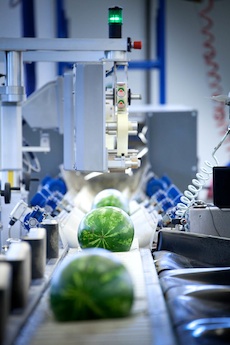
(10, 127)
(13, 91)
(11, 114)
(52, 238)
(36, 238)
(14, 68)
(111, 128)
(19, 256)
(116, 55)
(5, 292)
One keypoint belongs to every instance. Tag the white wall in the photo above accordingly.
(186, 73)
(187, 80)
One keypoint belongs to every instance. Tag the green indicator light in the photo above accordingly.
(115, 15)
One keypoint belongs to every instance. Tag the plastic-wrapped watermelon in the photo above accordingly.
(111, 197)
(106, 227)
(92, 284)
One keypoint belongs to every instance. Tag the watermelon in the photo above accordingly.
(111, 197)
(106, 227)
(91, 284)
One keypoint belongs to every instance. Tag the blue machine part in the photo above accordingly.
(177, 199)
(156, 184)
(174, 194)
(34, 218)
(165, 205)
(153, 186)
(51, 205)
(55, 184)
(40, 198)
(166, 180)
(51, 193)
(158, 196)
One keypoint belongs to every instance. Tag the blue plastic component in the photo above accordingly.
(55, 184)
(51, 203)
(33, 219)
(173, 192)
(52, 189)
(166, 180)
(46, 180)
(153, 186)
(177, 199)
(156, 184)
(166, 204)
(158, 196)
(38, 200)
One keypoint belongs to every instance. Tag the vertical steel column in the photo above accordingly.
(13, 75)
(28, 30)
(62, 32)
(161, 49)
(148, 13)
(11, 114)
(68, 122)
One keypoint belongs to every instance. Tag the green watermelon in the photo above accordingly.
(91, 284)
(106, 227)
(111, 197)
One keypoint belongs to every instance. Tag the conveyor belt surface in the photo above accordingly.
(194, 273)
(148, 323)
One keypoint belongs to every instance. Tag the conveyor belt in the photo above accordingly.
(194, 273)
(148, 323)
